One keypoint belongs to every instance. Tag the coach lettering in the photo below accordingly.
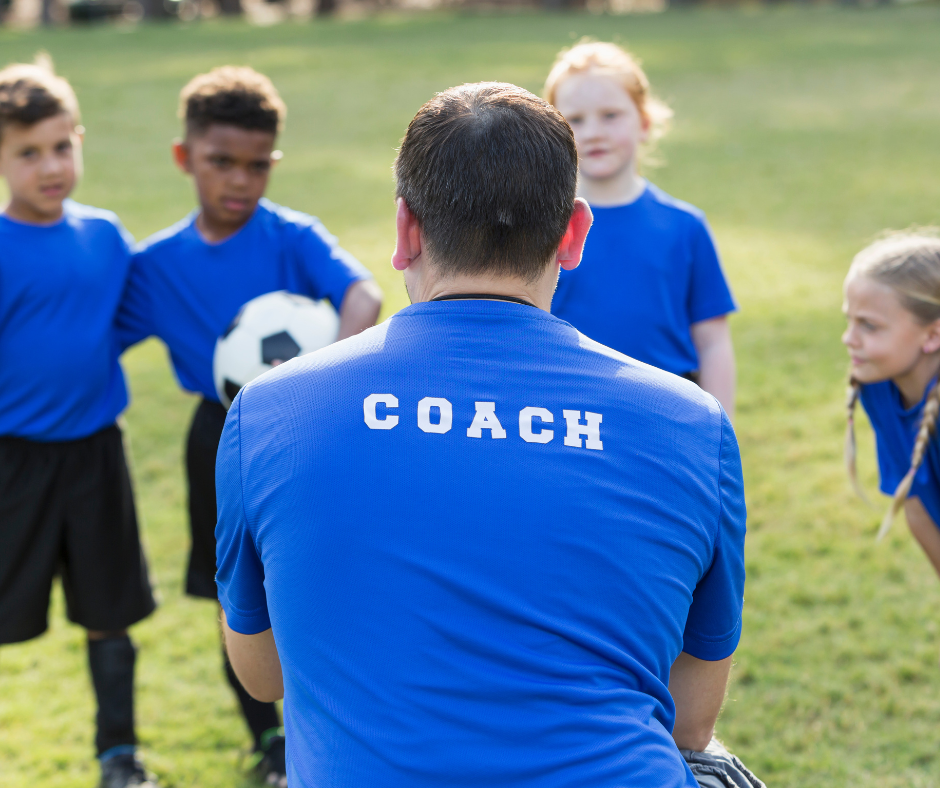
(531, 421)
(485, 419)
(591, 431)
(525, 425)
(445, 418)
(368, 408)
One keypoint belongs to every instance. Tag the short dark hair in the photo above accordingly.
(30, 93)
(490, 172)
(232, 96)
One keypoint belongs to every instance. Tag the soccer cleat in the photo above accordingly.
(272, 768)
(125, 771)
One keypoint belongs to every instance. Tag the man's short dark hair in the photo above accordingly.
(231, 96)
(30, 93)
(490, 172)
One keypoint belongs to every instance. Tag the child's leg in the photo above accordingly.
(202, 445)
(111, 659)
(105, 579)
(30, 535)
(924, 529)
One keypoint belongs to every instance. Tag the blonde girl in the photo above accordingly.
(650, 284)
(892, 304)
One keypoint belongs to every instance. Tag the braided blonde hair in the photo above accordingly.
(908, 263)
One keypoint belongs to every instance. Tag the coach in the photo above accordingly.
(471, 546)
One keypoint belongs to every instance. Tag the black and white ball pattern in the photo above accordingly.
(267, 331)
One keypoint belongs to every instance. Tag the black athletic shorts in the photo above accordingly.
(68, 509)
(202, 445)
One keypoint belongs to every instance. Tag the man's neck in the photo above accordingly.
(538, 293)
(621, 189)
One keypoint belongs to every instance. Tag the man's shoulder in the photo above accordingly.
(648, 388)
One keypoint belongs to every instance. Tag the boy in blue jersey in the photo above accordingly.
(651, 285)
(542, 585)
(66, 504)
(188, 282)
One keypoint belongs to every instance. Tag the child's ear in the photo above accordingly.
(181, 156)
(931, 343)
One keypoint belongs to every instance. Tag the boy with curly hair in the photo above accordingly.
(188, 282)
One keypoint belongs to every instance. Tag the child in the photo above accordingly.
(650, 284)
(66, 504)
(188, 282)
(892, 303)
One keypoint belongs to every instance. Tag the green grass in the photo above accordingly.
(801, 131)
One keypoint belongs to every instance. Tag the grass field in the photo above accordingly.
(800, 131)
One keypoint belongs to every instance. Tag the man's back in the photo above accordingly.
(468, 585)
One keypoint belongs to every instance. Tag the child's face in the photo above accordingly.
(885, 341)
(41, 164)
(607, 125)
(230, 167)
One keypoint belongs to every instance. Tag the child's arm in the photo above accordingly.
(924, 529)
(712, 340)
(360, 309)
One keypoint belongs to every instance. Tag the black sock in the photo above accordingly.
(261, 717)
(112, 673)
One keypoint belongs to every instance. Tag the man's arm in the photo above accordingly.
(256, 662)
(360, 309)
(698, 689)
(712, 340)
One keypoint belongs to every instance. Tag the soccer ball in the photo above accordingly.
(267, 331)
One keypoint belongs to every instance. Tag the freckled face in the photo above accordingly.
(608, 129)
(231, 168)
(883, 338)
(41, 164)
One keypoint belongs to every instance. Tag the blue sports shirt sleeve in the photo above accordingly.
(239, 573)
(713, 628)
(327, 269)
(710, 295)
(134, 321)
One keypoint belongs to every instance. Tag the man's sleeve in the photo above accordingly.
(710, 295)
(133, 321)
(240, 573)
(713, 627)
(326, 268)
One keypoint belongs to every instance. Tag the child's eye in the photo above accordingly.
(611, 115)
(30, 154)
(220, 162)
(64, 147)
(575, 119)
(867, 326)
(260, 167)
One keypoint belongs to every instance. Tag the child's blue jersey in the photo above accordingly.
(895, 432)
(187, 291)
(649, 271)
(60, 286)
(481, 540)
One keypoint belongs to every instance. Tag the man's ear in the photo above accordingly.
(408, 237)
(931, 342)
(181, 156)
(572, 245)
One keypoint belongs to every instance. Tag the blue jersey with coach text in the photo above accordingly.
(60, 286)
(895, 432)
(187, 291)
(481, 540)
(648, 272)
